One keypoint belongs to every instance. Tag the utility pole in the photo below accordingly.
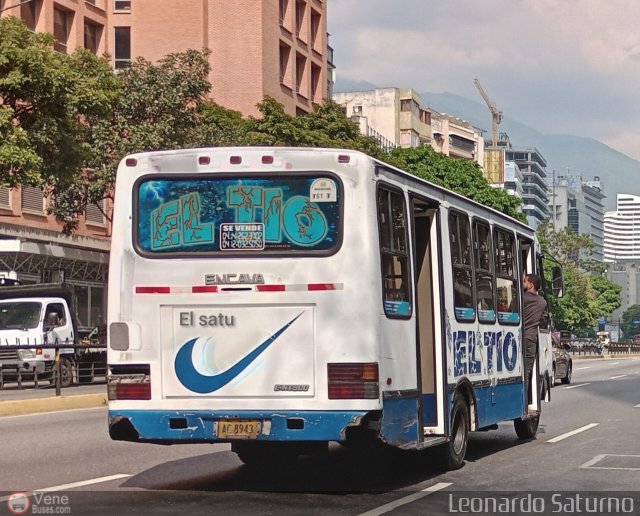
(553, 196)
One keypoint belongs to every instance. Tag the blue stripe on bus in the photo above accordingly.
(503, 402)
(428, 409)
(317, 425)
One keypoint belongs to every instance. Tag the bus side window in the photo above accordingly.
(506, 282)
(394, 254)
(460, 240)
(484, 272)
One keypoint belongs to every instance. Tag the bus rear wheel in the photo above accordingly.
(452, 453)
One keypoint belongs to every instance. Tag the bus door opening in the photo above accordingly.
(532, 397)
(427, 290)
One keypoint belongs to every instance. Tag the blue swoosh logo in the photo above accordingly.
(201, 383)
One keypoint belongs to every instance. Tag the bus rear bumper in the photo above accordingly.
(173, 427)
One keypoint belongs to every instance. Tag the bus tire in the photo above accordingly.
(526, 428)
(452, 453)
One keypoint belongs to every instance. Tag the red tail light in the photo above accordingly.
(133, 391)
(353, 381)
(129, 382)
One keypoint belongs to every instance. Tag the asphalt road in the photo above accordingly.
(589, 440)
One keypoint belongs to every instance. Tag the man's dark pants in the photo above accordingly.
(530, 350)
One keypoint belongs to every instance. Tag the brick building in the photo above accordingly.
(258, 48)
(275, 48)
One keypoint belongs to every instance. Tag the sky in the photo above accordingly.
(559, 66)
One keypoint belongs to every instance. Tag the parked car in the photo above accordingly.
(562, 363)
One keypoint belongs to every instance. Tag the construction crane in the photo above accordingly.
(496, 115)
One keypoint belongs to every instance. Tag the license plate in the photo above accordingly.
(238, 429)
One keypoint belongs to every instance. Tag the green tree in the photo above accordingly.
(48, 102)
(220, 127)
(587, 295)
(160, 108)
(462, 176)
(607, 295)
(326, 126)
(628, 325)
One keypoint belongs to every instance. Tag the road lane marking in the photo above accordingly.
(407, 499)
(573, 432)
(591, 463)
(63, 487)
(579, 385)
(619, 376)
(580, 368)
(636, 406)
(614, 363)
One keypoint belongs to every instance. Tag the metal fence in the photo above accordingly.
(87, 363)
(594, 347)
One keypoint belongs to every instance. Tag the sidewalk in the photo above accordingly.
(16, 402)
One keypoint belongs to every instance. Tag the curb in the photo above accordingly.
(51, 404)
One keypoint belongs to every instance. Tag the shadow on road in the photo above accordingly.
(339, 471)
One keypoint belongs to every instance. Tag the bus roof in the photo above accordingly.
(197, 153)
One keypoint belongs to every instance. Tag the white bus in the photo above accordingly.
(279, 299)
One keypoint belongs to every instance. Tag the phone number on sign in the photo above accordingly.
(242, 240)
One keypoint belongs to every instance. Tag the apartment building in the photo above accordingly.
(392, 115)
(31, 243)
(456, 138)
(576, 204)
(74, 23)
(277, 49)
(622, 230)
(622, 250)
(396, 118)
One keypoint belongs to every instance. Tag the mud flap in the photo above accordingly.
(399, 426)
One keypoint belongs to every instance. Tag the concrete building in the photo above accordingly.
(395, 117)
(535, 193)
(573, 203)
(457, 138)
(627, 275)
(394, 114)
(622, 250)
(622, 230)
(500, 173)
(258, 49)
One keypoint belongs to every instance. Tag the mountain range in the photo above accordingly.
(566, 154)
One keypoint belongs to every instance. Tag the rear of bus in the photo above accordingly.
(244, 297)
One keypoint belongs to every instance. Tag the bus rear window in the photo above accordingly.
(291, 214)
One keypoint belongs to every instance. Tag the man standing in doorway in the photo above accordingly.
(534, 306)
